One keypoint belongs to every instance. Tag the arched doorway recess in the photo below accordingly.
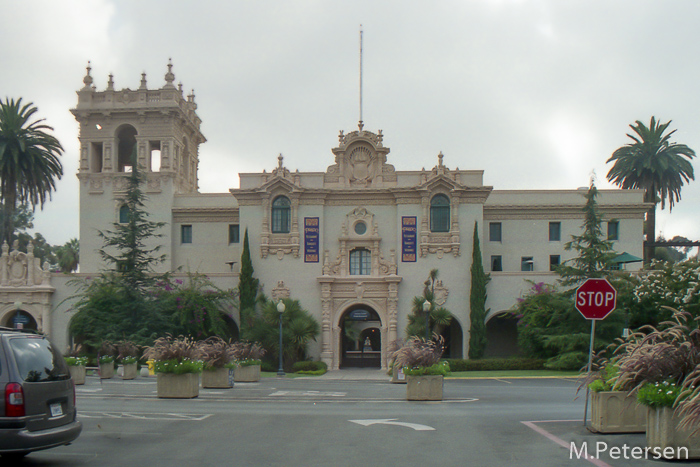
(361, 338)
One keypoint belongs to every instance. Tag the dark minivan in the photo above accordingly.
(38, 411)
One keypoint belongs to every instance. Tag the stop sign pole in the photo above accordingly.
(595, 299)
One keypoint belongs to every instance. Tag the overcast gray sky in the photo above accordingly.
(536, 93)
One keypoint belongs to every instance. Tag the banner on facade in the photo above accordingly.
(409, 235)
(311, 230)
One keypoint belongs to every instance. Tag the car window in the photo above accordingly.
(37, 360)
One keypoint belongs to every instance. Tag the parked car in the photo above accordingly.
(38, 411)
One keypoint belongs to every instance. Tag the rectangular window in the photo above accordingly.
(186, 234)
(527, 263)
(234, 233)
(495, 231)
(554, 262)
(555, 231)
(496, 263)
(613, 230)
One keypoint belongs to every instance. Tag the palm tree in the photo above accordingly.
(68, 255)
(29, 164)
(656, 165)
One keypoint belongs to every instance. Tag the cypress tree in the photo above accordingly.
(247, 285)
(477, 301)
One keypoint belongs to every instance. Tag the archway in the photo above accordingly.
(454, 340)
(20, 319)
(502, 336)
(361, 341)
(232, 327)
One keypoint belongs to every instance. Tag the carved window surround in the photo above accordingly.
(439, 243)
(351, 237)
(280, 244)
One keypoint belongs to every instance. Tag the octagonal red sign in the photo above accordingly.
(595, 299)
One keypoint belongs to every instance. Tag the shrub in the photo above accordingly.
(127, 352)
(76, 361)
(662, 394)
(216, 353)
(267, 367)
(107, 352)
(440, 368)
(310, 367)
(247, 353)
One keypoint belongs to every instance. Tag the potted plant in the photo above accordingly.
(76, 365)
(663, 365)
(218, 358)
(176, 366)
(614, 409)
(396, 371)
(420, 360)
(128, 356)
(248, 360)
(105, 358)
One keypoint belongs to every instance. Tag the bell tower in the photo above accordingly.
(163, 126)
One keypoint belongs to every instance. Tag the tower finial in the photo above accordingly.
(88, 79)
(143, 81)
(170, 76)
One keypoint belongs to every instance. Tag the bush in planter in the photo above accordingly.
(107, 353)
(248, 353)
(441, 368)
(664, 394)
(418, 353)
(76, 361)
(216, 353)
(174, 355)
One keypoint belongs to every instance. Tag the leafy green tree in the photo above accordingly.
(439, 317)
(23, 220)
(551, 328)
(29, 161)
(247, 288)
(595, 254)
(68, 255)
(106, 310)
(299, 329)
(655, 164)
(197, 306)
(477, 301)
(42, 249)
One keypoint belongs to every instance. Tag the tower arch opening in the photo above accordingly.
(126, 142)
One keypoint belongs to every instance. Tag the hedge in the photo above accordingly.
(457, 364)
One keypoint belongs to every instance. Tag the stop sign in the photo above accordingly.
(595, 299)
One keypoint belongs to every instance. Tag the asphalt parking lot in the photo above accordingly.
(351, 417)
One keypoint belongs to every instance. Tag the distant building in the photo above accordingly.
(354, 243)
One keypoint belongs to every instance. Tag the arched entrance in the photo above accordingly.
(502, 336)
(454, 340)
(361, 341)
(20, 320)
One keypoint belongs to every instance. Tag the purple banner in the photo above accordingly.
(311, 229)
(409, 235)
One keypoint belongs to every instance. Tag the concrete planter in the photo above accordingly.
(130, 371)
(617, 412)
(77, 372)
(106, 370)
(218, 378)
(663, 433)
(172, 386)
(246, 374)
(424, 388)
(398, 376)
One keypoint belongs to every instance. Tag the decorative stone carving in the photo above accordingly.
(440, 293)
(280, 291)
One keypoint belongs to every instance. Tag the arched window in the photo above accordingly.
(126, 138)
(440, 214)
(360, 262)
(281, 208)
(124, 214)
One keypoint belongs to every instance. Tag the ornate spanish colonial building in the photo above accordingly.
(354, 242)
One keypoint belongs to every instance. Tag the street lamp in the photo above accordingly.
(280, 309)
(426, 310)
